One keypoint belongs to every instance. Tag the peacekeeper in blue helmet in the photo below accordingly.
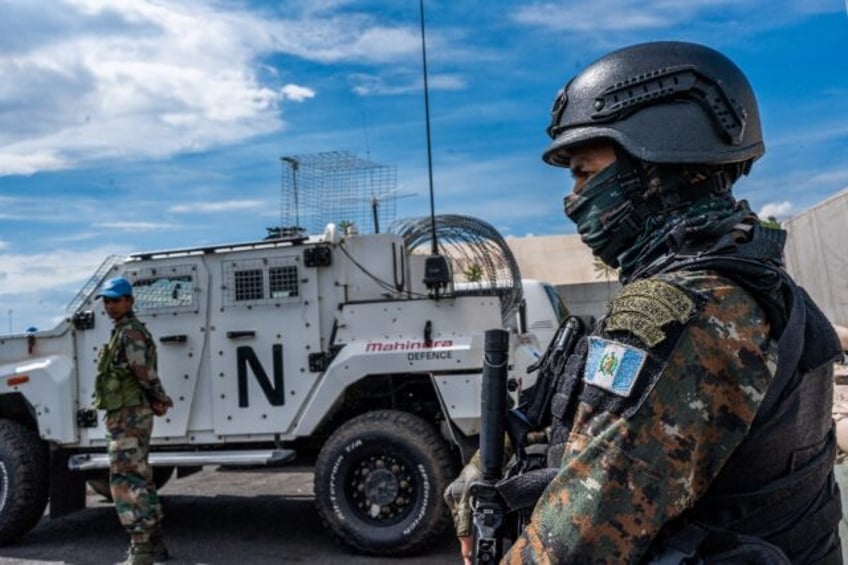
(693, 424)
(129, 390)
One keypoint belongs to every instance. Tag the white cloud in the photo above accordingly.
(27, 164)
(779, 210)
(149, 79)
(225, 206)
(37, 288)
(136, 226)
(152, 84)
(446, 82)
(297, 93)
(47, 210)
(72, 238)
(803, 183)
(615, 15)
(399, 83)
(41, 272)
(637, 15)
(351, 37)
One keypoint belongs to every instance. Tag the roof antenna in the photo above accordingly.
(436, 270)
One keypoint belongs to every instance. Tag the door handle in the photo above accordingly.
(180, 338)
(240, 334)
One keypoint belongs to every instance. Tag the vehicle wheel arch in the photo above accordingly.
(414, 393)
(15, 407)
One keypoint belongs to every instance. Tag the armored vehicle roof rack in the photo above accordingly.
(223, 248)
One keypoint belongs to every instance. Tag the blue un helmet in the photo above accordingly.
(116, 288)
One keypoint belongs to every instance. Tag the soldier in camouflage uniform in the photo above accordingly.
(129, 390)
(693, 425)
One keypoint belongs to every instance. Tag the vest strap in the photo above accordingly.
(523, 491)
(682, 547)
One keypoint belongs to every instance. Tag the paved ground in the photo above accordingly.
(220, 517)
(215, 517)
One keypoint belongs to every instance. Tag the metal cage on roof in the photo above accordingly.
(337, 187)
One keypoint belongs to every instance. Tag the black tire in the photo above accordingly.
(100, 484)
(24, 480)
(379, 481)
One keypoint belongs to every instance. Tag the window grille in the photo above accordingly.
(168, 288)
(283, 281)
(248, 285)
(261, 281)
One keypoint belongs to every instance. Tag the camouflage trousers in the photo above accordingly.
(130, 476)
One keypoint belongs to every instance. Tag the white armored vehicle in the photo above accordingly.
(330, 348)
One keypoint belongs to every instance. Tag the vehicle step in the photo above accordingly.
(86, 461)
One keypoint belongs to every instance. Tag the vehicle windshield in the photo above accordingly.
(557, 302)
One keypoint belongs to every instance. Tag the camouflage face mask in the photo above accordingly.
(604, 215)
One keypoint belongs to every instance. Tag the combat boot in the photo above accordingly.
(139, 553)
(158, 548)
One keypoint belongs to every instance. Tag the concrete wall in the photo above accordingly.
(589, 299)
(565, 262)
(817, 256)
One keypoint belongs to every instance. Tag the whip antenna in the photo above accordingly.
(436, 270)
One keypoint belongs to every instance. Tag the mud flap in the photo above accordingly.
(67, 488)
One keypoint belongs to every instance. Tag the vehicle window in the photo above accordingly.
(261, 281)
(556, 301)
(172, 290)
(248, 284)
(283, 281)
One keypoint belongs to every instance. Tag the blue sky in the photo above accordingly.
(128, 125)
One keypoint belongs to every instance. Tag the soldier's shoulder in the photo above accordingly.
(650, 308)
(700, 282)
(137, 326)
(133, 332)
(659, 307)
(720, 297)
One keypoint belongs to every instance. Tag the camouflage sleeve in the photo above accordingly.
(640, 454)
(141, 359)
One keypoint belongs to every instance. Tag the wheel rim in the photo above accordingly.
(383, 488)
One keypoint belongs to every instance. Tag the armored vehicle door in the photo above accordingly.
(263, 331)
(170, 299)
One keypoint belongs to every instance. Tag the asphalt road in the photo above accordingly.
(214, 517)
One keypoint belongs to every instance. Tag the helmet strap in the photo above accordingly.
(634, 183)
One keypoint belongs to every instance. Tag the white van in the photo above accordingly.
(541, 313)
(544, 309)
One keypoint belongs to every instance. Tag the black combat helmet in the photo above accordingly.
(663, 102)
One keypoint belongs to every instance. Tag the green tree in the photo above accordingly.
(473, 273)
(602, 270)
(771, 222)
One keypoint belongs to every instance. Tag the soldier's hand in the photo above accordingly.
(465, 547)
(160, 407)
(458, 498)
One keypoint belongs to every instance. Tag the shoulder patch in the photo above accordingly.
(643, 307)
(613, 366)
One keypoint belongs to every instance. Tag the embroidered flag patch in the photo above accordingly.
(613, 366)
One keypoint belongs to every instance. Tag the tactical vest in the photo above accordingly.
(116, 386)
(788, 502)
(789, 499)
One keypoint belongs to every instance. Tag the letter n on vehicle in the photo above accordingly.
(245, 356)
